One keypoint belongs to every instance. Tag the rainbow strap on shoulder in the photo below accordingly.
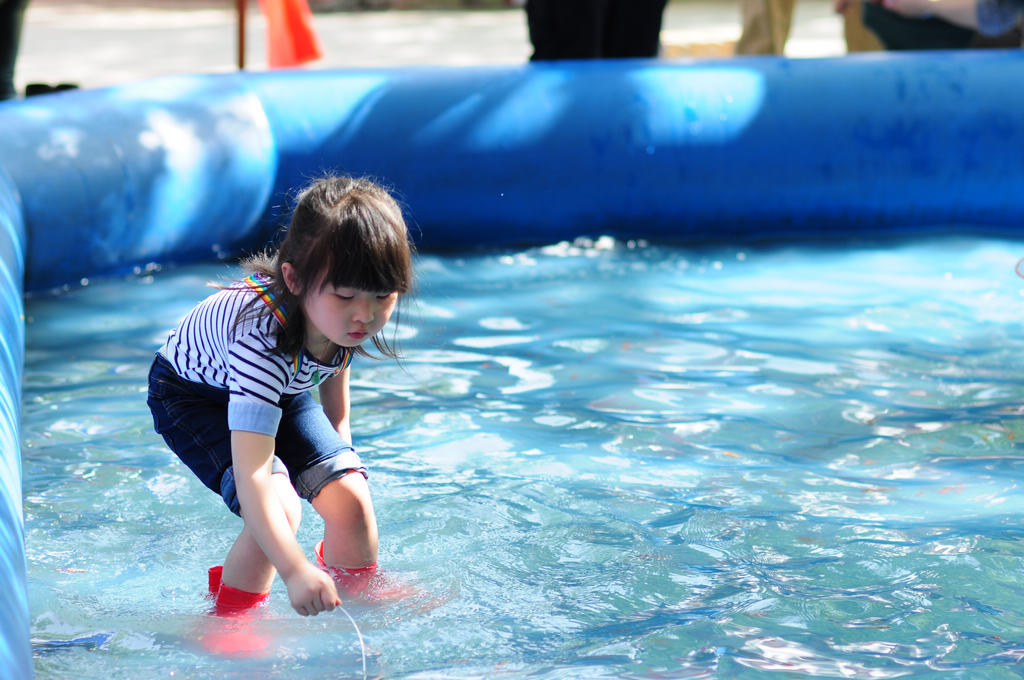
(262, 289)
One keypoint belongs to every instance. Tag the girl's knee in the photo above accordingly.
(345, 499)
(351, 483)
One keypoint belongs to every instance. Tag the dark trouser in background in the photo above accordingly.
(12, 16)
(594, 29)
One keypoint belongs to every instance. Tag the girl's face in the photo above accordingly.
(345, 317)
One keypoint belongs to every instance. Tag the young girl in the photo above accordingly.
(230, 391)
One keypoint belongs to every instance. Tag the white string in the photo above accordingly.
(362, 646)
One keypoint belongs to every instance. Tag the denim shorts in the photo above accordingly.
(193, 420)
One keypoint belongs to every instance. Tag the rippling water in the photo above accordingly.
(599, 460)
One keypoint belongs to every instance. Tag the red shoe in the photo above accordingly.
(213, 577)
(230, 632)
(230, 601)
(233, 637)
(365, 583)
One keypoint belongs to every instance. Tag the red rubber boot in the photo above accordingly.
(230, 601)
(366, 583)
(234, 635)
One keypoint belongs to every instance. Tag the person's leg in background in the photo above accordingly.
(12, 17)
(766, 26)
(566, 29)
(633, 28)
(858, 37)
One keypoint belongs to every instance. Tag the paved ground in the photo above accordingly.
(105, 42)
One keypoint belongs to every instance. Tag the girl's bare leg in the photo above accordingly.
(246, 567)
(350, 525)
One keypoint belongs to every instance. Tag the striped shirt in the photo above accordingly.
(207, 347)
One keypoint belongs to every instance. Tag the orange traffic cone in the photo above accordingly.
(291, 39)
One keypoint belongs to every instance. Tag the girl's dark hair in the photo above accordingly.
(346, 232)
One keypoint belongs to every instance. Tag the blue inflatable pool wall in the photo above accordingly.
(746, 150)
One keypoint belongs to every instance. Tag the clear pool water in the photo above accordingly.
(600, 460)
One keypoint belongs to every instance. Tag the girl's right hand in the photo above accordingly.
(312, 591)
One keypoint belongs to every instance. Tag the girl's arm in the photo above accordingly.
(335, 401)
(310, 590)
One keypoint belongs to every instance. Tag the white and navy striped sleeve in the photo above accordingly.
(257, 377)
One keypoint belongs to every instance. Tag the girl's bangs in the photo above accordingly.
(376, 267)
